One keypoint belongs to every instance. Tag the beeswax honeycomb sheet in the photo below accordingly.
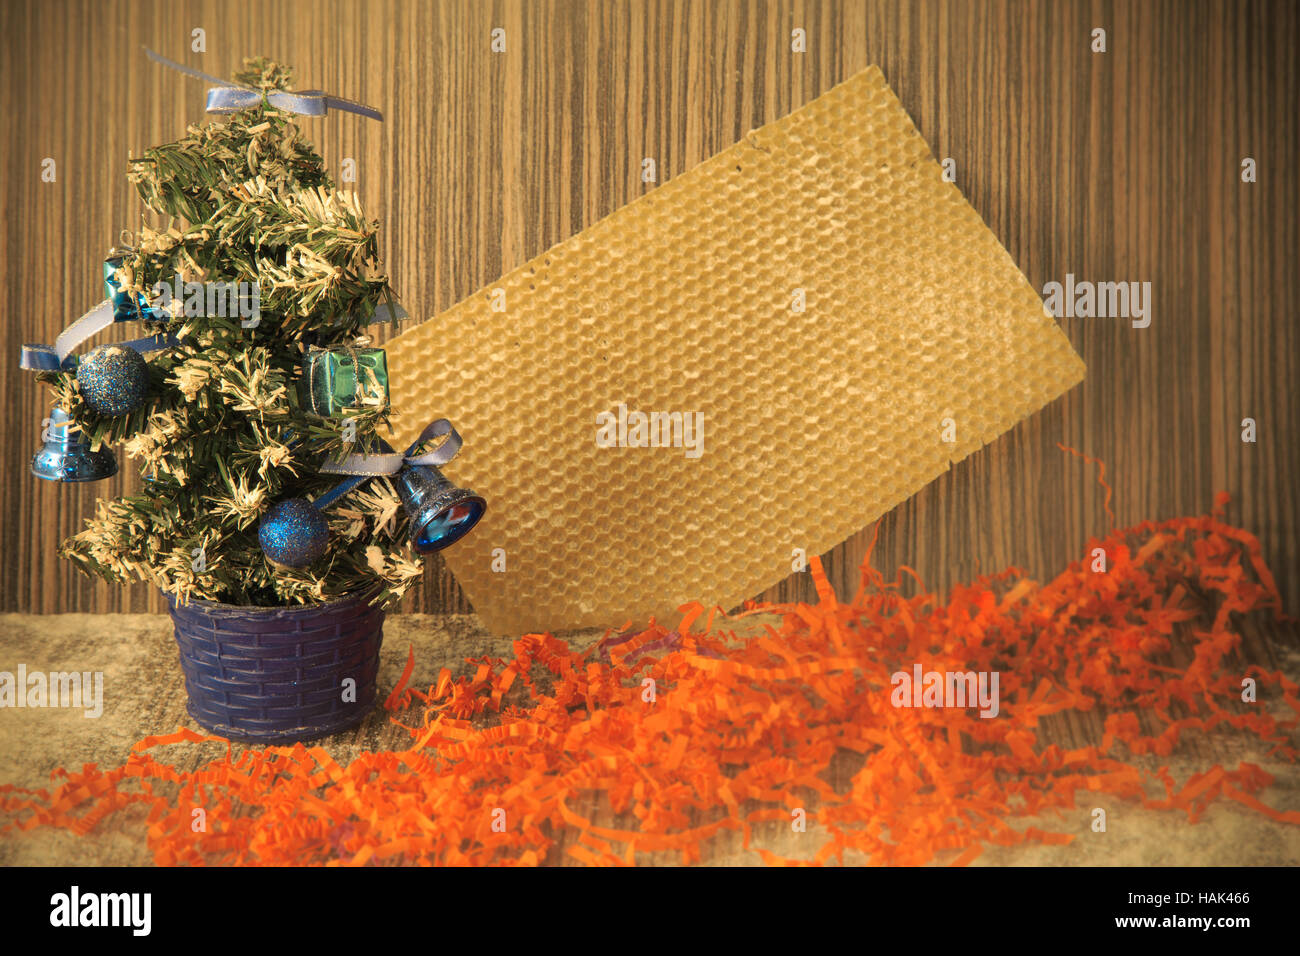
(815, 423)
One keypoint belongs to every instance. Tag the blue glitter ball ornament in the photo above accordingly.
(113, 379)
(293, 533)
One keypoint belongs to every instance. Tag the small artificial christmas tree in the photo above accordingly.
(227, 436)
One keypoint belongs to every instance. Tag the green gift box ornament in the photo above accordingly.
(339, 380)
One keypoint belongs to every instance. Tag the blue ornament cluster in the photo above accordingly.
(113, 379)
(293, 533)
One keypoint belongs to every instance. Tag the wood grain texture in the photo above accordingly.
(1122, 166)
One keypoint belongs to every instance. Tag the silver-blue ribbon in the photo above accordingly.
(389, 464)
(58, 357)
(228, 98)
(384, 313)
(361, 468)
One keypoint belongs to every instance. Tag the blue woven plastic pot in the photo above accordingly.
(276, 674)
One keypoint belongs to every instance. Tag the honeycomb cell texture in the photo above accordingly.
(815, 422)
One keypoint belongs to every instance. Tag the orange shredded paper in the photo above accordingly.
(682, 735)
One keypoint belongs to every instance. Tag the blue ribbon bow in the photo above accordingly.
(58, 357)
(120, 306)
(363, 467)
(227, 98)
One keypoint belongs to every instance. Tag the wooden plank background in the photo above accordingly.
(1116, 166)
